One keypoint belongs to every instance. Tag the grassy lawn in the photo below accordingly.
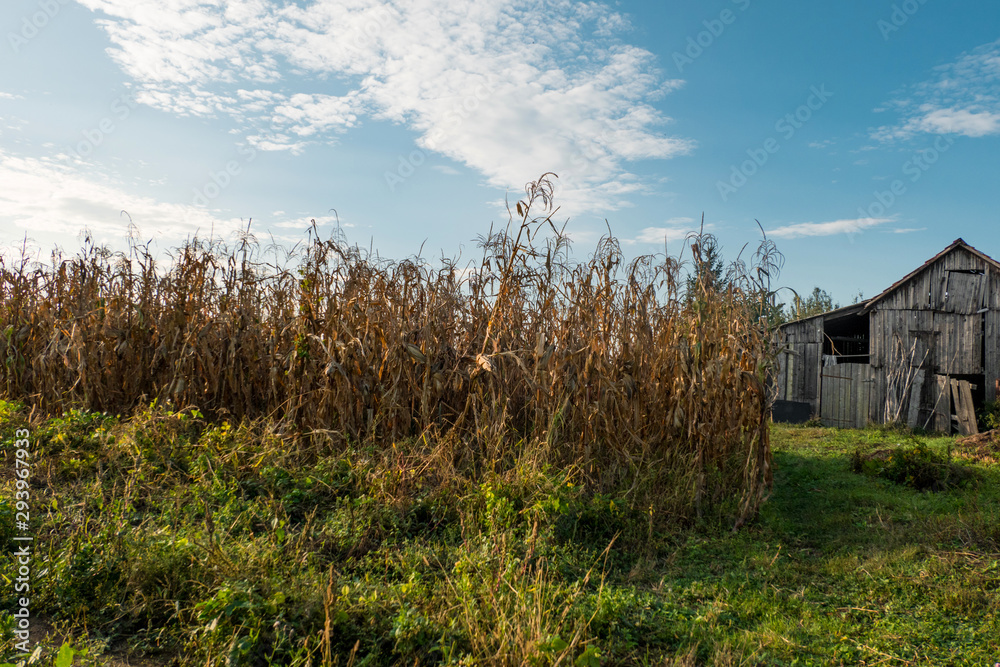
(165, 540)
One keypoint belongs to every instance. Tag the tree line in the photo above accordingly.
(711, 270)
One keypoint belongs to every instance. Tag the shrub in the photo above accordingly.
(917, 466)
(990, 416)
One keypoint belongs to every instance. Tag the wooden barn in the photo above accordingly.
(925, 352)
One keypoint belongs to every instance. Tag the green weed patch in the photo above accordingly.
(916, 466)
(188, 542)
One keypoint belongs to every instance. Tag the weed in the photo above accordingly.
(917, 466)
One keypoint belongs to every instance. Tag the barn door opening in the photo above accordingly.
(846, 339)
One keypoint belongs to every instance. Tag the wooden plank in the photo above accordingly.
(871, 394)
(968, 408)
(847, 399)
(844, 400)
(876, 397)
(798, 393)
(942, 404)
(781, 375)
(805, 371)
(861, 392)
(790, 377)
(993, 301)
(829, 391)
(916, 388)
(826, 400)
(855, 394)
(810, 367)
(961, 392)
(817, 376)
(940, 288)
(834, 381)
(875, 339)
(956, 401)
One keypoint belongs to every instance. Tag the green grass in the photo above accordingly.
(183, 541)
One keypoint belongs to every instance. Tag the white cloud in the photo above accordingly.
(10, 96)
(509, 89)
(45, 196)
(908, 230)
(958, 121)
(831, 228)
(962, 98)
(661, 234)
(676, 229)
(305, 223)
(306, 115)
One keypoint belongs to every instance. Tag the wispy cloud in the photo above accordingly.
(956, 121)
(49, 196)
(961, 98)
(908, 230)
(303, 224)
(800, 229)
(509, 89)
(675, 229)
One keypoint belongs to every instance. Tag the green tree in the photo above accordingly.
(709, 267)
(816, 303)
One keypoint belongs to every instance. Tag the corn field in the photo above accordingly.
(613, 368)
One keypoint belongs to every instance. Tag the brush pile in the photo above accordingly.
(983, 447)
(619, 370)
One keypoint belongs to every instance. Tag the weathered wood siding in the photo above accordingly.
(846, 395)
(946, 317)
(959, 343)
(992, 348)
(909, 325)
(942, 286)
(799, 363)
(951, 310)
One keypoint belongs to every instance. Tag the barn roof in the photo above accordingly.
(843, 311)
(956, 244)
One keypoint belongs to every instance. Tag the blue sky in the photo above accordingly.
(863, 136)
